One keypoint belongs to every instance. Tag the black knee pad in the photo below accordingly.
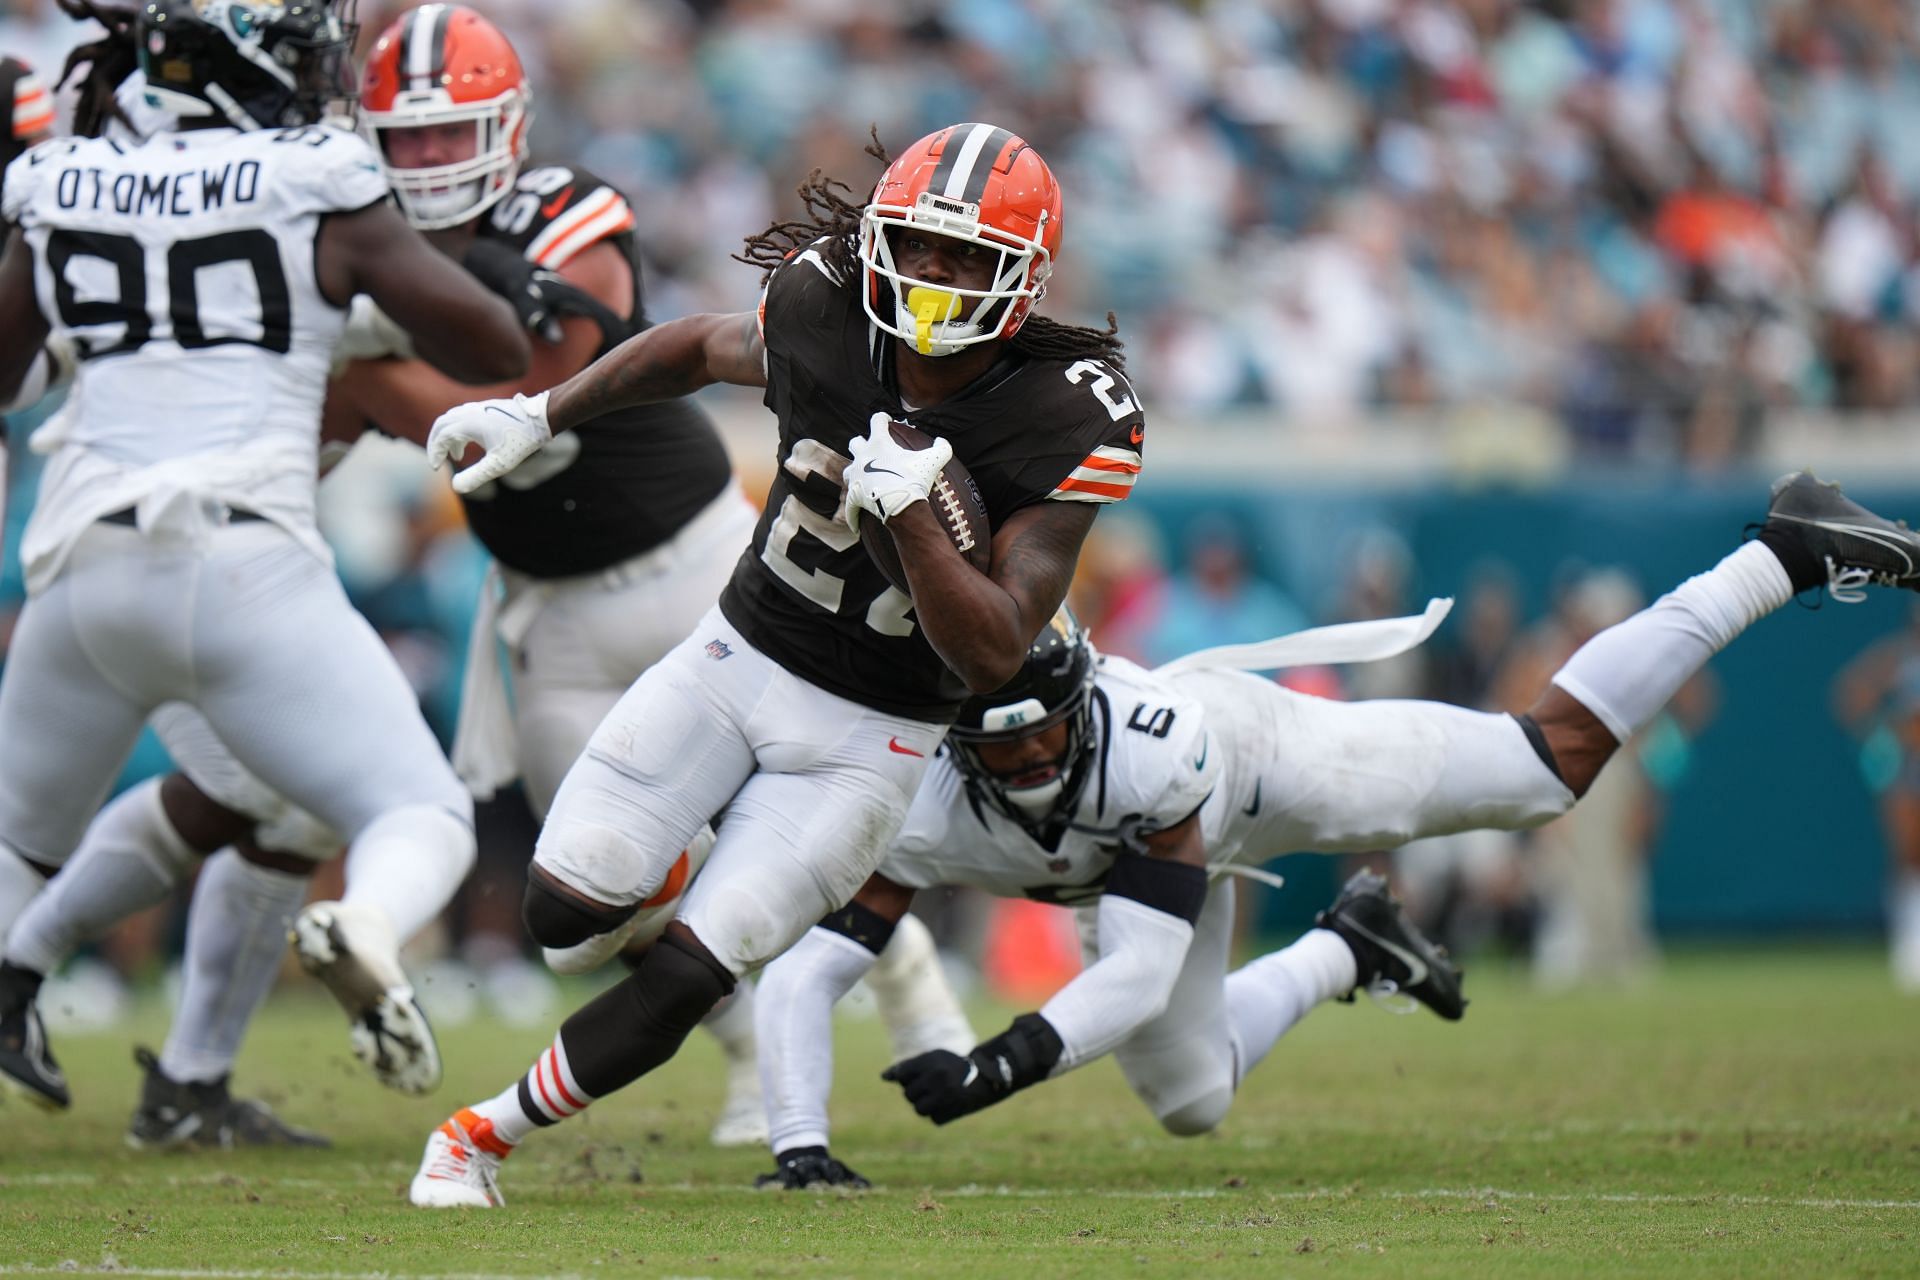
(554, 919)
(677, 984)
(632, 1028)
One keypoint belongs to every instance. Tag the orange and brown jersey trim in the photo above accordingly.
(32, 105)
(1106, 475)
(601, 213)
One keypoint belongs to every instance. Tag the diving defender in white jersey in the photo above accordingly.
(203, 277)
(1118, 789)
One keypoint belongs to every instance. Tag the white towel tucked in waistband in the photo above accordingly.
(1345, 642)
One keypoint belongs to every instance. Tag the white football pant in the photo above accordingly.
(810, 788)
(253, 631)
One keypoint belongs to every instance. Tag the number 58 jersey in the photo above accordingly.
(182, 270)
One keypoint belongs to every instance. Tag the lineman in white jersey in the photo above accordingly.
(1281, 773)
(203, 277)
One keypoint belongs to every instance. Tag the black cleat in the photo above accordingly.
(801, 1168)
(27, 1067)
(175, 1115)
(1391, 954)
(1856, 546)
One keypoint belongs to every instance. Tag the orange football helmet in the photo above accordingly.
(444, 64)
(971, 182)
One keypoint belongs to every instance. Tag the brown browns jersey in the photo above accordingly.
(623, 483)
(1029, 429)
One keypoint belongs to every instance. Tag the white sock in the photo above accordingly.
(1628, 672)
(129, 859)
(731, 1023)
(407, 864)
(20, 884)
(236, 936)
(915, 1001)
(1906, 931)
(1266, 997)
(546, 1095)
(793, 1020)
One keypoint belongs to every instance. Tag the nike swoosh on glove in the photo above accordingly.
(886, 477)
(510, 431)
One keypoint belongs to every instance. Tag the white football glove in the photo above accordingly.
(510, 431)
(885, 476)
(370, 334)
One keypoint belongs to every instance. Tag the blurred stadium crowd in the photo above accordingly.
(1650, 218)
(1646, 221)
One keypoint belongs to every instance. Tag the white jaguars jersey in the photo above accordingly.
(181, 268)
(1155, 763)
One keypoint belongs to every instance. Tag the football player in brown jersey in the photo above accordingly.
(804, 707)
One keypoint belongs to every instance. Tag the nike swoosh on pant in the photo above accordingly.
(894, 745)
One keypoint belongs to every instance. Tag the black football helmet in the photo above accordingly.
(1054, 684)
(257, 64)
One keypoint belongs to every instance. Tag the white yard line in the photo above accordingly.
(975, 1191)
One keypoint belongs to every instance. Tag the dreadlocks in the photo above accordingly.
(108, 60)
(832, 216)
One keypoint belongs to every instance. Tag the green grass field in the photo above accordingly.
(1749, 1113)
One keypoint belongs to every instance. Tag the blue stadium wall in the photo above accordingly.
(1773, 828)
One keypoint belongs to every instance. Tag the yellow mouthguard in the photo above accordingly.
(930, 307)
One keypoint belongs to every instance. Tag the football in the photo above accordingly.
(956, 504)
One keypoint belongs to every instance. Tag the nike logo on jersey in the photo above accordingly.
(1201, 763)
(552, 208)
(1253, 809)
(1137, 435)
(898, 748)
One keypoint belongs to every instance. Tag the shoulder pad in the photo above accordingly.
(555, 211)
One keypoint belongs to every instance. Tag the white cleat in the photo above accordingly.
(458, 1171)
(743, 1120)
(352, 950)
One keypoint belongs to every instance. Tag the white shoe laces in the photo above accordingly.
(1386, 993)
(453, 1161)
(1846, 585)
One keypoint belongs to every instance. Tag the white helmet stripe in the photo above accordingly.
(426, 40)
(969, 154)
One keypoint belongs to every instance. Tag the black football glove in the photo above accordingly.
(803, 1167)
(539, 297)
(943, 1086)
